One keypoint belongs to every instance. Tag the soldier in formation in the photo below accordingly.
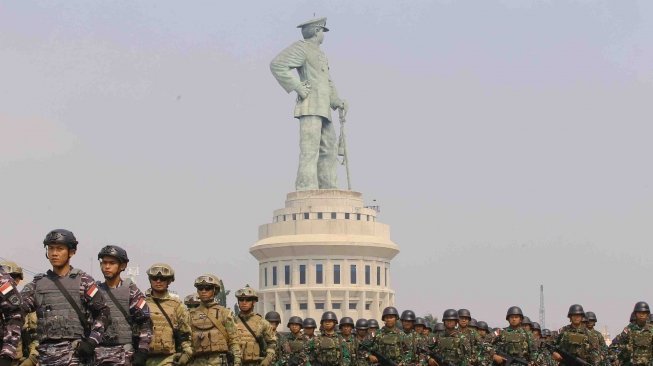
(111, 322)
(11, 321)
(127, 338)
(72, 313)
(171, 343)
(258, 342)
(214, 334)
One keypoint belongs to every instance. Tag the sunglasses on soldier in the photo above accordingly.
(204, 287)
(158, 278)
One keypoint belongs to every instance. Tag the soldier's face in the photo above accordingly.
(641, 317)
(463, 322)
(328, 325)
(205, 293)
(159, 283)
(111, 267)
(390, 321)
(419, 328)
(426, 331)
(576, 319)
(361, 332)
(274, 325)
(514, 320)
(407, 324)
(309, 331)
(59, 255)
(450, 324)
(295, 328)
(590, 325)
(482, 332)
(346, 329)
(537, 334)
(245, 304)
(526, 327)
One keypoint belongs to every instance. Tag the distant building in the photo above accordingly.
(325, 251)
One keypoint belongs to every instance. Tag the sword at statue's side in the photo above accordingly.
(342, 142)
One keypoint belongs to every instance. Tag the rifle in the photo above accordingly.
(383, 361)
(567, 358)
(434, 356)
(511, 359)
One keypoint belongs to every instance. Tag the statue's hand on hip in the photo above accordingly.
(304, 89)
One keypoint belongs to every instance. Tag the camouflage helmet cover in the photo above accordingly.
(247, 292)
(208, 280)
(161, 269)
(12, 268)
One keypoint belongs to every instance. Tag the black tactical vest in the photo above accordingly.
(120, 330)
(57, 320)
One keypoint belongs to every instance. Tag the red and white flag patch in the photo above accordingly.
(91, 291)
(6, 288)
(139, 304)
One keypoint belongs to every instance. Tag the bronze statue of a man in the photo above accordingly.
(316, 97)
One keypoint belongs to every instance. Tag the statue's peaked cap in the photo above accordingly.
(319, 22)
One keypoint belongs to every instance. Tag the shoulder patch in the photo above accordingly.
(6, 288)
(92, 290)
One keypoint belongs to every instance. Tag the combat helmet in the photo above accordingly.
(526, 321)
(408, 315)
(13, 269)
(192, 301)
(362, 324)
(420, 321)
(61, 236)
(450, 314)
(472, 323)
(329, 315)
(591, 317)
(247, 292)
(346, 321)
(514, 310)
(438, 327)
(390, 311)
(295, 320)
(464, 313)
(273, 316)
(372, 324)
(576, 309)
(642, 306)
(309, 323)
(483, 325)
(114, 251)
(161, 269)
(208, 280)
(536, 326)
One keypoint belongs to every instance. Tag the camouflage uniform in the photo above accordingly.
(481, 351)
(350, 349)
(12, 316)
(544, 356)
(28, 342)
(123, 335)
(164, 345)
(294, 350)
(327, 350)
(249, 346)
(210, 343)
(411, 356)
(634, 346)
(453, 347)
(516, 342)
(390, 343)
(576, 340)
(58, 326)
(597, 342)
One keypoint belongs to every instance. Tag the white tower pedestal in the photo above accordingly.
(324, 251)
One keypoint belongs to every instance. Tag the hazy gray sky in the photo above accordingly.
(508, 142)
